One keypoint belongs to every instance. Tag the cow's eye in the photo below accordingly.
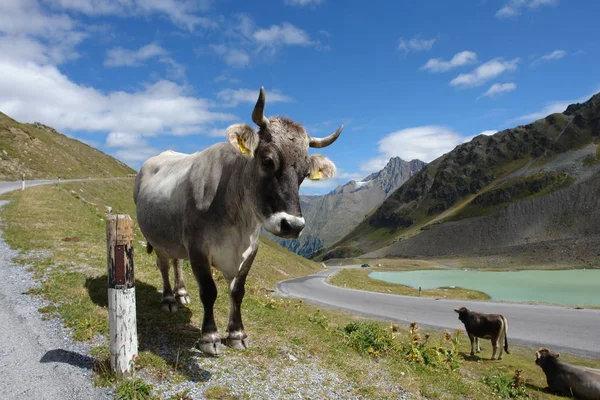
(267, 162)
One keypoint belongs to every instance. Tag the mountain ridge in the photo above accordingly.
(483, 176)
(329, 217)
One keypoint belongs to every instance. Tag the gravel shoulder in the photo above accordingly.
(38, 359)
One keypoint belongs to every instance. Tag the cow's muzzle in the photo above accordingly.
(284, 225)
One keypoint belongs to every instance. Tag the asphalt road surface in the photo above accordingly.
(558, 328)
(38, 360)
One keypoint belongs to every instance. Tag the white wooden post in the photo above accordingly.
(23, 183)
(121, 294)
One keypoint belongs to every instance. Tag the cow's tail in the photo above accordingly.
(149, 247)
(505, 323)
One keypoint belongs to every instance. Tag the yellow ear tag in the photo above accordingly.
(242, 146)
(316, 176)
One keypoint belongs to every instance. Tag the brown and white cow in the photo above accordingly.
(209, 207)
(571, 380)
(486, 326)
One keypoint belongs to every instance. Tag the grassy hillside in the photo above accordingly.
(483, 176)
(297, 350)
(38, 151)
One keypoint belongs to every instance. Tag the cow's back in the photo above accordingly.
(159, 194)
(588, 382)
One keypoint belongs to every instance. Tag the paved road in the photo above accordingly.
(38, 360)
(558, 328)
(17, 185)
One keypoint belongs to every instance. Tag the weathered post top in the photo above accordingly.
(119, 241)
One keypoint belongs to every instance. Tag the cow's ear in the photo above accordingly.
(321, 167)
(457, 311)
(556, 355)
(538, 355)
(243, 138)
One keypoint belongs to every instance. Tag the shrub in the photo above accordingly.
(368, 337)
(507, 388)
(134, 389)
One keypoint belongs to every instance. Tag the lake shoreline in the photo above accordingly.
(570, 288)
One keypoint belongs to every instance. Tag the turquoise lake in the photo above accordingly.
(568, 287)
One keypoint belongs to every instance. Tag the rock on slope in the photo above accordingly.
(331, 216)
(521, 187)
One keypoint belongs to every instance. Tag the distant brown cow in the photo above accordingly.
(571, 380)
(487, 326)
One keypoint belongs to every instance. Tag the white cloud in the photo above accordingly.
(507, 12)
(233, 57)
(183, 13)
(488, 132)
(233, 97)
(512, 8)
(302, 3)
(323, 186)
(226, 78)
(29, 92)
(121, 139)
(131, 148)
(135, 156)
(374, 164)
(29, 33)
(538, 3)
(484, 73)
(498, 88)
(458, 60)
(415, 44)
(552, 108)
(243, 41)
(425, 143)
(555, 55)
(120, 57)
(279, 35)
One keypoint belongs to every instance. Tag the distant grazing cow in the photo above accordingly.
(209, 207)
(487, 326)
(571, 380)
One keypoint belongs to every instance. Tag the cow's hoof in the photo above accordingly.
(499, 358)
(169, 304)
(183, 299)
(238, 344)
(472, 354)
(210, 344)
(493, 358)
(209, 348)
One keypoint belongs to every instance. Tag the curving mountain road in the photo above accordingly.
(559, 328)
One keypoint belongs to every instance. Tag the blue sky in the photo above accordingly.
(409, 79)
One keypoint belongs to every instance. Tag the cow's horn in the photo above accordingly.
(326, 141)
(258, 115)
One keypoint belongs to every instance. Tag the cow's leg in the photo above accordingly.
(210, 341)
(500, 342)
(168, 300)
(495, 340)
(477, 344)
(181, 293)
(472, 339)
(237, 338)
